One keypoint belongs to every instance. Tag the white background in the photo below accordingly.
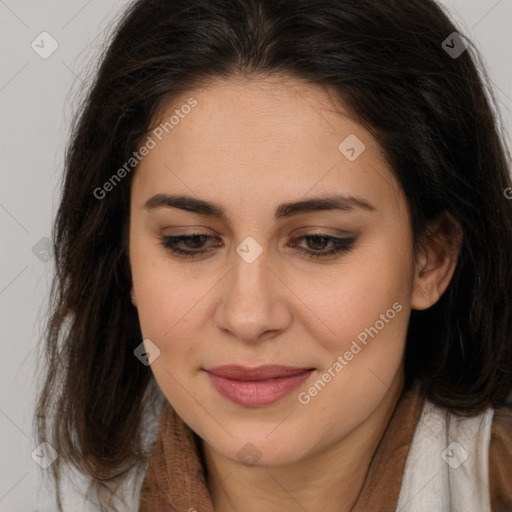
(36, 105)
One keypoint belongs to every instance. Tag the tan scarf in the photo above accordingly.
(175, 479)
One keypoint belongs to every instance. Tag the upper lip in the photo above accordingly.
(271, 371)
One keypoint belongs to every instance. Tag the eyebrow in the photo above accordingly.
(345, 203)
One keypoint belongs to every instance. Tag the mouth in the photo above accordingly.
(256, 387)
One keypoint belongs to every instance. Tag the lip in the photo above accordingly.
(258, 386)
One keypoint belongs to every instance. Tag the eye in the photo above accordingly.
(193, 241)
(339, 245)
(192, 245)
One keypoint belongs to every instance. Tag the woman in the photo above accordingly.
(284, 229)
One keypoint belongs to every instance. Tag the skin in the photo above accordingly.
(250, 146)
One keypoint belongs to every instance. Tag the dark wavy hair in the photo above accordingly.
(435, 117)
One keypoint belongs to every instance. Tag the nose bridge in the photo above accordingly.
(250, 269)
(249, 284)
(249, 306)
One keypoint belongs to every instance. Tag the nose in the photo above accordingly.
(254, 304)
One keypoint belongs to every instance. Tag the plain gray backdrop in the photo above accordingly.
(38, 89)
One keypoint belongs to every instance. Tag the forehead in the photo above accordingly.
(260, 139)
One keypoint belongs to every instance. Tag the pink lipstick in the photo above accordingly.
(255, 387)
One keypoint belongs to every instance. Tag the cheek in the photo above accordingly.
(363, 294)
(169, 309)
(156, 290)
(171, 300)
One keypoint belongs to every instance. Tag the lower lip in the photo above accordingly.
(257, 393)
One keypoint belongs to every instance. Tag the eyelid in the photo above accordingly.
(303, 231)
(315, 230)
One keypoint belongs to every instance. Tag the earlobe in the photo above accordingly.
(436, 261)
(132, 297)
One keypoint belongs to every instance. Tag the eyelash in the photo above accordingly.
(341, 245)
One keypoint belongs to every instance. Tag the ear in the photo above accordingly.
(132, 297)
(436, 260)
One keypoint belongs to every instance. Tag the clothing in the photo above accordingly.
(447, 467)
(175, 480)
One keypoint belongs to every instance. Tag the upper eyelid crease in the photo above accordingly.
(285, 210)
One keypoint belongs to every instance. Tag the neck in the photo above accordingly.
(327, 481)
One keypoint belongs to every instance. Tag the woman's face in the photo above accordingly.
(267, 291)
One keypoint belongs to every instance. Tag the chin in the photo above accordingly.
(260, 452)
